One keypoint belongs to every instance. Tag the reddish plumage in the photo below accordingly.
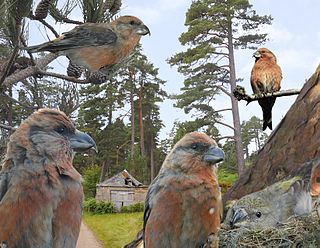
(183, 204)
(40, 191)
(97, 45)
(315, 180)
(266, 77)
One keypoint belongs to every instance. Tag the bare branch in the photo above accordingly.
(222, 110)
(32, 17)
(224, 124)
(223, 90)
(6, 127)
(224, 137)
(29, 71)
(240, 94)
(57, 75)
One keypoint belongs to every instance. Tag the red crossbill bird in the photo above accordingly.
(97, 45)
(266, 76)
(40, 190)
(183, 204)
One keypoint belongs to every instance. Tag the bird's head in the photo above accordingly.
(130, 25)
(264, 53)
(193, 151)
(250, 212)
(48, 135)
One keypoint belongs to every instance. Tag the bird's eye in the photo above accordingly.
(132, 22)
(258, 214)
(194, 146)
(60, 130)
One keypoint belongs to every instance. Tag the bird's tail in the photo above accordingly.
(137, 242)
(267, 105)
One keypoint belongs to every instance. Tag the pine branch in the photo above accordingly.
(240, 94)
(20, 103)
(6, 127)
(224, 124)
(29, 71)
(8, 66)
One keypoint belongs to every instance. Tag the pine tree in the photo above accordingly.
(215, 29)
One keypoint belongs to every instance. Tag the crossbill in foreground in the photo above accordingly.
(266, 77)
(40, 190)
(97, 45)
(183, 204)
(271, 206)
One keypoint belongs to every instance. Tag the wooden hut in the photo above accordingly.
(122, 190)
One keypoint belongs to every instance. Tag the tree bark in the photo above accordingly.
(152, 168)
(234, 104)
(141, 127)
(132, 113)
(104, 171)
(293, 142)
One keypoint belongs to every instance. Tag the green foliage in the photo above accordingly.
(226, 179)
(230, 161)
(137, 207)
(98, 207)
(91, 176)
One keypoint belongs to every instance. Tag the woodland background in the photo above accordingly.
(122, 114)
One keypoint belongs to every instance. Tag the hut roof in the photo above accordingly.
(122, 179)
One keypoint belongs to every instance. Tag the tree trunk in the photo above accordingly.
(152, 169)
(142, 148)
(104, 171)
(293, 142)
(132, 113)
(234, 104)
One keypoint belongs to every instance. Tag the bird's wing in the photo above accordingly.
(85, 35)
(5, 175)
(154, 188)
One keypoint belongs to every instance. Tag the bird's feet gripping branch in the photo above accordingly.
(40, 190)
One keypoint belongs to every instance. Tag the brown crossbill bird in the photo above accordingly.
(183, 204)
(97, 45)
(266, 76)
(271, 206)
(40, 190)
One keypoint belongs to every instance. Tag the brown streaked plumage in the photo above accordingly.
(183, 204)
(266, 77)
(97, 45)
(40, 190)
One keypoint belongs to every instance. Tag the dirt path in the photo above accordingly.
(87, 239)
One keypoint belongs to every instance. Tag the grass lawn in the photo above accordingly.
(115, 230)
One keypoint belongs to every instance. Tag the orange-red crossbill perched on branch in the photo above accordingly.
(97, 45)
(266, 77)
(183, 204)
(40, 190)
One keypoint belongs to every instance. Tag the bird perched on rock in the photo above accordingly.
(271, 206)
(183, 203)
(40, 190)
(266, 76)
(97, 45)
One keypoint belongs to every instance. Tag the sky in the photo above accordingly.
(294, 37)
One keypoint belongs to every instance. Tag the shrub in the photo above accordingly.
(91, 176)
(137, 207)
(98, 207)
